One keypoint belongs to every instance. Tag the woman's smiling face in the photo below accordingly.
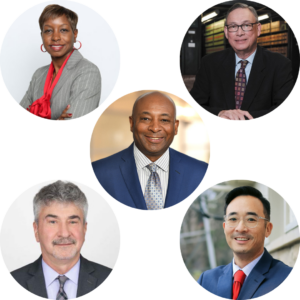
(58, 37)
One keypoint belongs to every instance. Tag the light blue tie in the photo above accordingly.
(153, 192)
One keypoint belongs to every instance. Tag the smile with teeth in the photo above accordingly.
(241, 239)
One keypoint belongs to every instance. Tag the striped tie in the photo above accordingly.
(61, 295)
(240, 84)
(153, 192)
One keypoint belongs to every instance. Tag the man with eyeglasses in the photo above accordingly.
(253, 272)
(245, 81)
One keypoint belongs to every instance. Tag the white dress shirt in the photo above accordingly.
(52, 284)
(248, 67)
(142, 161)
(248, 268)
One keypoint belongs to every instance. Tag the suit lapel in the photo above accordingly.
(36, 284)
(226, 74)
(72, 62)
(86, 281)
(176, 173)
(224, 287)
(256, 277)
(257, 74)
(131, 179)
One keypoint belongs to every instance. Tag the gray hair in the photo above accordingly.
(241, 5)
(149, 93)
(62, 192)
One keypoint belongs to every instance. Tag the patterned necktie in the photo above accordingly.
(61, 295)
(240, 84)
(239, 278)
(153, 192)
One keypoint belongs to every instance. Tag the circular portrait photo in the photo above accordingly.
(69, 239)
(70, 65)
(240, 240)
(131, 154)
(239, 60)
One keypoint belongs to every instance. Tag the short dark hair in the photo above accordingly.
(248, 191)
(53, 11)
(241, 5)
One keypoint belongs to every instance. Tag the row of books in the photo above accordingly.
(214, 49)
(215, 27)
(273, 39)
(215, 40)
(273, 27)
(282, 50)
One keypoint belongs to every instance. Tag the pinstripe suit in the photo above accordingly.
(79, 86)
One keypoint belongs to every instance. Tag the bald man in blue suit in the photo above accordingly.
(124, 175)
(245, 230)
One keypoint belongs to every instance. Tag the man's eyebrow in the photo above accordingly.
(51, 216)
(252, 213)
(235, 23)
(232, 213)
(74, 217)
(248, 213)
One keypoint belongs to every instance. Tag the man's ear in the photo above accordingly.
(131, 123)
(35, 229)
(176, 126)
(269, 228)
(226, 32)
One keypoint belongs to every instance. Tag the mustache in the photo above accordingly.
(62, 241)
(247, 236)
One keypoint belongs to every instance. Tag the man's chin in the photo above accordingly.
(64, 255)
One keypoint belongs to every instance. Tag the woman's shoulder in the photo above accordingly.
(84, 63)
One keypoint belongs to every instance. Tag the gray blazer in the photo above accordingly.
(79, 86)
(31, 277)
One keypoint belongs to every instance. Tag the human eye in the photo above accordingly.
(251, 220)
(232, 27)
(232, 219)
(165, 121)
(47, 31)
(73, 221)
(64, 30)
(52, 221)
(247, 26)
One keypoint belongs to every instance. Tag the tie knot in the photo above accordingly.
(152, 167)
(62, 280)
(243, 63)
(239, 276)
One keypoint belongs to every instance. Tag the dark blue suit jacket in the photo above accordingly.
(266, 276)
(118, 176)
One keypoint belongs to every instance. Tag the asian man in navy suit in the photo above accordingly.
(126, 175)
(60, 211)
(253, 272)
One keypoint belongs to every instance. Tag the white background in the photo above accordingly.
(102, 239)
(21, 55)
(150, 34)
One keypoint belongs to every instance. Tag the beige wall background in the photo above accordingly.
(112, 131)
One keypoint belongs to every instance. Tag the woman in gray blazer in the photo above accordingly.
(71, 86)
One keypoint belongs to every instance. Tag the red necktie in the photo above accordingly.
(239, 278)
(240, 84)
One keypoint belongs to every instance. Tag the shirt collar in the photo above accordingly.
(142, 161)
(50, 275)
(248, 268)
(249, 59)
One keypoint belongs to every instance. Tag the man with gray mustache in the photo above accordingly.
(60, 212)
(253, 272)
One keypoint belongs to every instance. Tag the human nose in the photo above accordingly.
(155, 126)
(240, 31)
(64, 230)
(241, 226)
(56, 35)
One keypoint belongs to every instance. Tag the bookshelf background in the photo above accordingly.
(208, 37)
